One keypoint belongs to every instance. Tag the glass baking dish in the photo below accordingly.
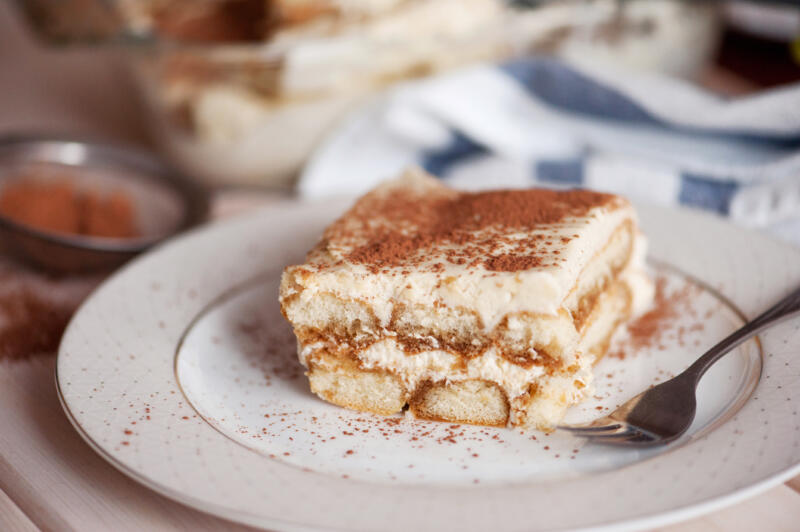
(241, 91)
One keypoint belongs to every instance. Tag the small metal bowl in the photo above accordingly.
(164, 201)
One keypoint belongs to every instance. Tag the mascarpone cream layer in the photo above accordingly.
(439, 365)
(490, 294)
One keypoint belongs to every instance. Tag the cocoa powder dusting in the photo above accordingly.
(648, 330)
(35, 309)
(33, 325)
(492, 229)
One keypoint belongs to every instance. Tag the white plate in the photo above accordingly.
(181, 372)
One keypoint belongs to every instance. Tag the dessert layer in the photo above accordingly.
(471, 401)
(523, 338)
(452, 327)
(437, 384)
(548, 399)
(525, 251)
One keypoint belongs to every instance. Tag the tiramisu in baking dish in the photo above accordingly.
(486, 308)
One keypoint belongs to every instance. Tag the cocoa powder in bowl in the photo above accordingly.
(86, 202)
(58, 206)
(76, 206)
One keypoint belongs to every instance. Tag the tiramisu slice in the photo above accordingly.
(486, 308)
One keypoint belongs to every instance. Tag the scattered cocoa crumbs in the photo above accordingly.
(493, 229)
(32, 324)
(512, 263)
(649, 329)
(35, 308)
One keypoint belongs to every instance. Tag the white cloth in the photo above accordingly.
(540, 122)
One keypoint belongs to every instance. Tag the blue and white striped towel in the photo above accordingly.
(542, 122)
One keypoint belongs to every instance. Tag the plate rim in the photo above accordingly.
(657, 519)
(666, 518)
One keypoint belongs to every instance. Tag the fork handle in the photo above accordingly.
(784, 309)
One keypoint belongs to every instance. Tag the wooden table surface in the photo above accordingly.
(49, 478)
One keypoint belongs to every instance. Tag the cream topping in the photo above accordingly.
(492, 294)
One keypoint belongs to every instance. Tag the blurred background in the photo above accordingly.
(241, 91)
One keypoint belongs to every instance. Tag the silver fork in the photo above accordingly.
(663, 413)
